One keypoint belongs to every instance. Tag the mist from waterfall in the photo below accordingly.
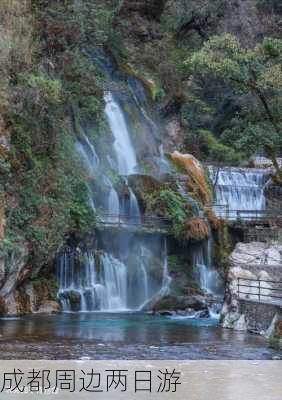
(124, 150)
(208, 277)
(98, 281)
(239, 189)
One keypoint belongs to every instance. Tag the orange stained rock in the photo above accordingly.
(197, 181)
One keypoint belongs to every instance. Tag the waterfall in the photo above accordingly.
(88, 154)
(208, 276)
(144, 279)
(134, 210)
(165, 283)
(113, 206)
(90, 160)
(166, 278)
(114, 280)
(240, 189)
(128, 270)
(124, 150)
(98, 281)
(84, 287)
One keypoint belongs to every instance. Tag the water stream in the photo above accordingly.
(124, 150)
(240, 189)
(98, 281)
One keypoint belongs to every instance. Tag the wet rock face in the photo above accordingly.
(19, 295)
(274, 332)
(74, 298)
(251, 262)
(16, 270)
(28, 298)
(172, 303)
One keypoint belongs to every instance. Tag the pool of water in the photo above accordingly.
(125, 336)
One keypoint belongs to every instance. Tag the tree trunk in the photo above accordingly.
(271, 154)
(270, 151)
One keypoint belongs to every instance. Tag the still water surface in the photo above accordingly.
(125, 336)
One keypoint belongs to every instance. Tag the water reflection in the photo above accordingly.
(125, 328)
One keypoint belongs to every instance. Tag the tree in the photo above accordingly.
(255, 72)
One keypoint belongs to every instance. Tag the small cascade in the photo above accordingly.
(164, 165)
(98, 281)
(114, 280)
(88, 154)
(144, 278)
(208, 276)
(166, 278)
(84, 287)
(91, 151)
(113, 206)
(209, 279)
(165, 283)
(239, 189)
(124, 150)
(134, 210)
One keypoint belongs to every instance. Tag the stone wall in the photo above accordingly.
(259, 316)
(255, 261)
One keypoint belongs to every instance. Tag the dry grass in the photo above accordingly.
(212, 218)
(196, 229)
(197, 183)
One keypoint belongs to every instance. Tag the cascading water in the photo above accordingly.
(166, 277)
(124, 150)
(113, 206)
(134, 210)
(208, 277)
(90, 281)
(90, 159)
(84, 287)
(239, 189)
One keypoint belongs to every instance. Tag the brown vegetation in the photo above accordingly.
(197, 182)
(196, 229)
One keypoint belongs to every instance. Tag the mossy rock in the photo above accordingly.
(143, 185)
(74, 299)
(180, 303)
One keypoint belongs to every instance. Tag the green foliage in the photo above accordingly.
(217, 151)
(51, 196)
(46, 89)
(52, 201)
(256, 72)
(171, 205)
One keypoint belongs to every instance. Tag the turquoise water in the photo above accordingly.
(124, 336)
